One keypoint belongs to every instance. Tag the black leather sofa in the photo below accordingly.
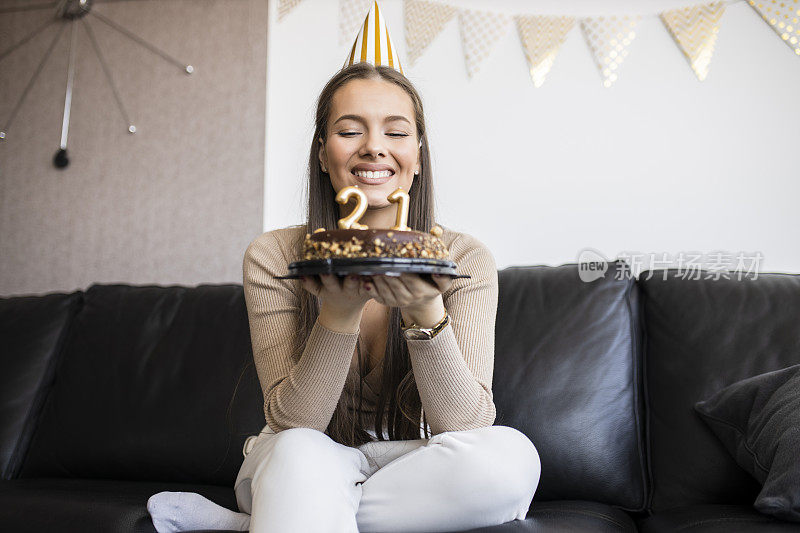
(115, 393)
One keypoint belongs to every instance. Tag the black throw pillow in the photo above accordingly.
(758, 421)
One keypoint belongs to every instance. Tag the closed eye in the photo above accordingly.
(351, 133)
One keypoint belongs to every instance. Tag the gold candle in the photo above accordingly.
(351, 220)
(401, 198)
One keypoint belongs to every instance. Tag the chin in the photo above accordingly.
(376, 201)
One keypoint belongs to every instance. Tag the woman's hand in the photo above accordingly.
(342, 300)
(419, 301)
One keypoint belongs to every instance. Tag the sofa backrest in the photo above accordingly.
(567, 375)
(702, 335)
(143, 387)
(32, 333)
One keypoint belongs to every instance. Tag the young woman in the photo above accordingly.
(368, 430)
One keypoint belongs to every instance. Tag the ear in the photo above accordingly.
(323, 158)
(419, 157)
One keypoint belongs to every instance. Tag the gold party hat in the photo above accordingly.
(372, 44)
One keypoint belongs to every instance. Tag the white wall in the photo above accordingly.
(660, 162)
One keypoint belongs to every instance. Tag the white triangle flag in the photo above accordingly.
(423, 22)
(782, 16)
(609, 39)
(480, 31)
(695, 30)
(541, 38)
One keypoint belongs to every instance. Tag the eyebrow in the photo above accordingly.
(359, 118)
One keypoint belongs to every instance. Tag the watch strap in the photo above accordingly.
(432, 332)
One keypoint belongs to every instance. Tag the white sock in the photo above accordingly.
(185, 511)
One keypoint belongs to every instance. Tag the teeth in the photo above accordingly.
(369, 174)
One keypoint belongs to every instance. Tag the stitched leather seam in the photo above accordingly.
(646, 397)
(636, 366)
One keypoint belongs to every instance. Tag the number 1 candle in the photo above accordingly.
(400, 197)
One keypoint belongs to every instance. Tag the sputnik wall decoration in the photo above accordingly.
(70, 12)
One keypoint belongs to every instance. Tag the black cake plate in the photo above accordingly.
(368, 266)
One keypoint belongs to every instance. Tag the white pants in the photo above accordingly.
(302, 480)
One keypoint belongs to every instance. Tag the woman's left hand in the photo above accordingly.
(413, 295)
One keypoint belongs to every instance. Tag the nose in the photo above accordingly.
(373, 144)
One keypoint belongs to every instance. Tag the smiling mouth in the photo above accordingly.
(373, 178)
(369, 174)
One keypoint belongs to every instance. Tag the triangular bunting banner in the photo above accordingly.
(609, 38)
(695, 29)
(351, 16)
(480, 31)
(423, 22)
(285, 6)
(541, 39)
(783, 16)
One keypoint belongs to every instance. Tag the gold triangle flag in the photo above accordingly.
(480, 31)
(695, 29)
(541, 38)
(372, 44)
(285, 6)
(351, 13)
(609, 39)
(783, 16)
(423, 22)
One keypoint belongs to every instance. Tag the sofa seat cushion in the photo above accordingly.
(567, 516)
(555, 517)
(80, 505)
(714, 519)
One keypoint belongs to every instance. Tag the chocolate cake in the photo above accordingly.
(361, 243)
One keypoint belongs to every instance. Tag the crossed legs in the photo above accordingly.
(302, 480)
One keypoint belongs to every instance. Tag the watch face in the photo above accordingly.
(415, 334)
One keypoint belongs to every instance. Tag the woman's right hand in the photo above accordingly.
(342, 300)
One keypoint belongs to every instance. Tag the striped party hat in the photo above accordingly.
(372, 44)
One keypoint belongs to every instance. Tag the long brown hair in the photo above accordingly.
(399, 396)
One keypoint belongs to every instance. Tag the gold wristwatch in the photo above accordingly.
(416, 332)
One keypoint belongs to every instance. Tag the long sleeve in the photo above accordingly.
(453, 371)
(301, 393)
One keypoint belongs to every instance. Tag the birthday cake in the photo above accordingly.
(364, 243)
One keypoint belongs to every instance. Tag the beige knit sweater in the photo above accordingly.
(453, 371)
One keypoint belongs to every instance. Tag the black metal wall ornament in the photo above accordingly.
(69, 12)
